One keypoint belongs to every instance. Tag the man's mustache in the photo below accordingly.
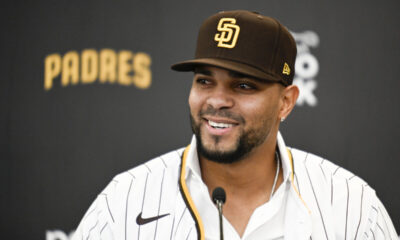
(225, 113)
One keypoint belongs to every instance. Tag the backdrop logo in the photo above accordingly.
(104, 66)
(306, 67)
(229, 33)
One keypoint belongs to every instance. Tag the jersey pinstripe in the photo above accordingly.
(339, 204)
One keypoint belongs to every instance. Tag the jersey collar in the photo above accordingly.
(193, 165)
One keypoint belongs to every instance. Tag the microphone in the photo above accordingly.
(219, 198)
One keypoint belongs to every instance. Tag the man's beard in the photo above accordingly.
(245, 143)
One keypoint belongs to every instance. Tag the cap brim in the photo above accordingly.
(190, 65)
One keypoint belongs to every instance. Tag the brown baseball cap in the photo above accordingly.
(245, 42)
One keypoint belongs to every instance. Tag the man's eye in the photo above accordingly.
(246, 86)
(203, 81)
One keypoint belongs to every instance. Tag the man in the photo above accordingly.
(241, 91)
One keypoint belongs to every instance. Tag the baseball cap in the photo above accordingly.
(245, 42)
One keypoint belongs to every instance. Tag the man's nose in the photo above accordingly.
(220, 98)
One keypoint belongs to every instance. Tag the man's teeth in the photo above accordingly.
(219, 125)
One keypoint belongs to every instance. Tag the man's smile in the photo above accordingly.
(219, 126)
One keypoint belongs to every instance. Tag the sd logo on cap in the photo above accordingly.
(228, 33)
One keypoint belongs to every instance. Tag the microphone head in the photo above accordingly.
(219, 195)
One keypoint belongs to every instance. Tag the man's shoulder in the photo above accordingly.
(148, 180)
(311, 164)
(338, 196)
(136, 191)
(146, 174)
(169, 161)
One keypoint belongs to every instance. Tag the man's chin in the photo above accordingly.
(223, 142)
(219, 145)
(220, 154)
(218, 151)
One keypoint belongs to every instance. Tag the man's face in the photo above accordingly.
(232, 114)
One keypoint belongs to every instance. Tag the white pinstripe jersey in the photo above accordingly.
(325, 202)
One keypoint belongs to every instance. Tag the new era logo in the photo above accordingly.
(228, 33)
(286, 69)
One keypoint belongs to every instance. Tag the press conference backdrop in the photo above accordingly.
(86, 93)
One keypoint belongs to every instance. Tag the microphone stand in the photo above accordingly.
(219, 206)
(219, 198)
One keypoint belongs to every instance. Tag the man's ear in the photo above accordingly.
(289, 98)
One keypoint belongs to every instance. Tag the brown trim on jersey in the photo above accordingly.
(292, 179)
(188, 199)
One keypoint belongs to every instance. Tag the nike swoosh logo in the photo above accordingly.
(141, 221)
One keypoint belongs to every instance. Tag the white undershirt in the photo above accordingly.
(266, 222)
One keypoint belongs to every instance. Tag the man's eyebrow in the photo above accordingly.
(202, 71)
(238, 75)
(232, 74)
(209, 73)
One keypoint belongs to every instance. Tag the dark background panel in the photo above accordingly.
(60, 148)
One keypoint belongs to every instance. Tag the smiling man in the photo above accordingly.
(235, 119)
(241, 91)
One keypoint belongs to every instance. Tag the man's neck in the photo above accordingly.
(247, 183)
(248, 177)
